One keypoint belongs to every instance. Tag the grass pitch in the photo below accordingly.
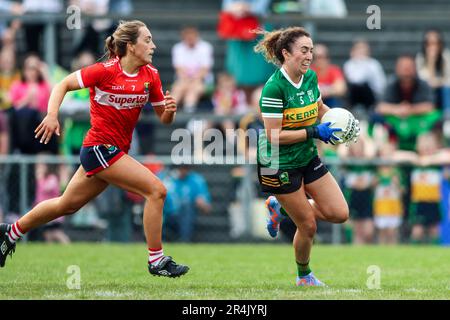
(224, 271)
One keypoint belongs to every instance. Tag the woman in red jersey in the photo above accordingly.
(119, 88)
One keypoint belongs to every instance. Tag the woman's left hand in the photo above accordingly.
(170, 103)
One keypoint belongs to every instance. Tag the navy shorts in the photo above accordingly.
(286, 181)
(96, 158)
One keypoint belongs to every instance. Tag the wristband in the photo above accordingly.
(311, 132)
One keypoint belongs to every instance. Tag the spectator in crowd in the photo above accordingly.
(29, 97)
(407, 105)
(190, 195)
(237, 21)
(331, 79)
(8, 75)
(365, 77)
(33, 90)
(387, 202)
(433, 64)
(425, 214)
(359, 182)
(47, 187)
(192, 59)
(228, 100)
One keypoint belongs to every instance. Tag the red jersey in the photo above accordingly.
(117, 99)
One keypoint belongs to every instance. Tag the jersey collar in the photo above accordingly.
(127, 74)
(296, 85)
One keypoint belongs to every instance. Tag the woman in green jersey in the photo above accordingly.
(288, 162)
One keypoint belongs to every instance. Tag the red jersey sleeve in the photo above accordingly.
(92, 75)
(156, 96)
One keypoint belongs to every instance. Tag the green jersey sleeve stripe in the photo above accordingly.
(271, 105)
(272, 115)
(272, 99)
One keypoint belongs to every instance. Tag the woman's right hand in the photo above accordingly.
(47, 128)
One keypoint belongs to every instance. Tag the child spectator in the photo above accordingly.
(388, 206)
(48, 187)
(426, 179)
(359, 181)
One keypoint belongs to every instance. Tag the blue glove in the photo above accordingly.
(325, 133)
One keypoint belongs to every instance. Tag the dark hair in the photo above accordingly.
(126, 31)
(273, 43)
(439, 64)
(22, 70)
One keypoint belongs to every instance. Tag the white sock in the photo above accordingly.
(15, 233)
(155, 256)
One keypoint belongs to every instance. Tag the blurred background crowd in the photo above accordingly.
(396, 80)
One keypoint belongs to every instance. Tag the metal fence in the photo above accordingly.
(237, 211)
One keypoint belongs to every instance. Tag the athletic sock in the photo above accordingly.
(15, 233)
(155, 256)
(303, 269)
(283, 212)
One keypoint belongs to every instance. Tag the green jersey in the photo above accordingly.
(296, 104)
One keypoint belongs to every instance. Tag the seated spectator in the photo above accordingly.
(407, 105)
(228, 100)
(365, 77)
(331, 80)
(433, 64)
(8, 75)
(192, 59)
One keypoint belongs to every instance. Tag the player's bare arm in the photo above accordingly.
(50, 123)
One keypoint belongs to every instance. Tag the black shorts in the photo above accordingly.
(290, 180)
(96, 158)
(360, 204)
(426, 213)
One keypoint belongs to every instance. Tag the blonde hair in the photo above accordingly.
(273, 43)
(126, 31)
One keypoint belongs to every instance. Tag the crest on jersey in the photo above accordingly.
(146, 85)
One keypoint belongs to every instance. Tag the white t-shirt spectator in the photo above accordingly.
(193, 59)
(369, 70)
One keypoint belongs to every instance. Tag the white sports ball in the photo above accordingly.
(343, 119)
